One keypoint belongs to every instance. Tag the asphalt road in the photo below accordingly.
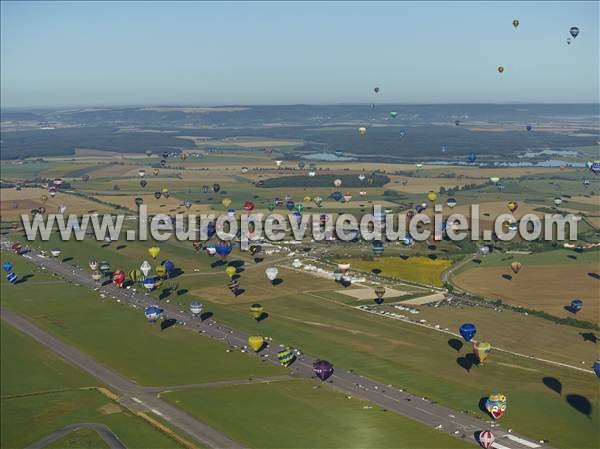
(390, 398)
(105, 433)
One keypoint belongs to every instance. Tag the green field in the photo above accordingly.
(55, 399)
(301, 414)
(80, 439)
(422, 270)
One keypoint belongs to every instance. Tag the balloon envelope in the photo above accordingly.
(467, 331)
(255, 342)
(496, 405)
(286, 357)
(271, 273)
(323, 369)
(481, 350)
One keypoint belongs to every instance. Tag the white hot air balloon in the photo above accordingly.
(145, 268)
(272, 273)
(278, 163)
(196, 308)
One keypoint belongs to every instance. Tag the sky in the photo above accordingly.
(56, 54)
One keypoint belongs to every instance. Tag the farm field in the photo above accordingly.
(54, 398)
(324, 417)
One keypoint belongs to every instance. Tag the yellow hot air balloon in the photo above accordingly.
(226, 202)
(160, 270)
(307, 199)
(256, 342)
(494, 179)
(230, 271)
(154, 251)
(256, 311)
(362, 131)
(481, 350)
(432, 196)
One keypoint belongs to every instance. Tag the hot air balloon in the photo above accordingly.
(336, 196)
(169, 267)
(138, 201)
(379, 292)
(230, 271)
(196, 308)
(516, 267)
(444, 148)
(135, 276)
(323, 369)
(337, 182)
(343, 267)
(216, 187)
(165, 154)
(597, 367)
(289, 204)
(256, 342)
(312, 173)
(451, 202)
(481, 350)
(154, 251)
(393, 114)
(432, 196)
(528, 127)
(272, 273)
(574, 32)
(160, 270)
(104, 267)
(402, 133)
(576, 305)
(55, 252)
(223, 248)
(372, 105)
(362, 130)
(165, 192)
(96, 276)
(286, 357)
(494, 179)
(568, 41)
(16, 248)
(467, 331)
(197, 244)
(256, 311)
(496, 405)
(44, 198)
(557, 201)
(152, 313)
(377, 247)
(471, 157)
(515, 23)
(318, 201)
(187, 204)
(141, 172)
(145, 268)
(500, 69)
(457, 122)
(234, 286)
(204, 189)
(249, 206)
(118, 278)
(7, 266)
(12, 277)
(347, 197)
(512, 206)
(226, 202)
(595, 167)
(52, 191)
(148, 153)
(155, 171)
(163, 163)
(150, 283)
(486, 439)
(157, 195)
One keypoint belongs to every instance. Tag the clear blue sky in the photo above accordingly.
(86, 53)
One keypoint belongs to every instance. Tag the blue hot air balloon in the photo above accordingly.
(211, 230)
(12, 278)
(152, 313)
(289, 204)
(150, 283)
(377, 247)
(407, 241)
(528, 127)
(169, 266)
(576, 305)
(223, 248)
(7, 266)
(339, 153)
(468, 331)
(337, 196)
(472, 157)
(597, 367)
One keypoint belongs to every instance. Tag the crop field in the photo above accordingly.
(325, 417)
(54, 399)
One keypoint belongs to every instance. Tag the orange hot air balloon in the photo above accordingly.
(516, 267)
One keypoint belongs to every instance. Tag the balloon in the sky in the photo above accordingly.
(163, 163)
(516, 267)
(576, 305)
(496, 405)
(138, 201)
(376, 90)
(568, 41)
(44, 198)
(230, 271)
(141, 172)
(118, 278)
(187, 204)
(481, 350)
(457, 122)
(500, 69)
(339, 153)
(154, 251)
(169, 267)
(512, 206)
(337, 182)
(574, 32)
(204, 189)
(155, 171)
(379, 292)
(55, 252)
(148, 153)
(323, 369)
(145, 268)
(160, 270)
(362, 130)
(444, 148)
(515, 23)
(432, 196)
(256, 342)
(467, 331)
(152, 313)
(7, 266)
(256, 311)
(471, 157)
(289, 204)
(486, 439)
(286, 357)
(196, 308)
(12, 277)
(451, 202)
(150, 283)
(272, 273)
(234, 286)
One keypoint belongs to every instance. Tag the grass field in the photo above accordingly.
(80, 439)
(301, 414)
(422, 270)
(28, 368)
(541, 284)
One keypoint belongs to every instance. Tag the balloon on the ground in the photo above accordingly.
(118, 278)
(196, 308)
(467, 331)
(12, 277)
(496, 405)
(152, 313)
(286, 356)
(323, 369)
(486, 439)
(145, 268)
(256, 311)
(576, 305)
(256, 342)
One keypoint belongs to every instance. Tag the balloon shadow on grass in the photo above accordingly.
(263, 316)
(594, 276)
(182, 291)
(467, 362)
(121, 247)
(236, 263)
(67, 259)
(277, 281)
(553, 383)
(205, 316)
(481, 405)
(580, 403)
(218, 263)
(589, 336)
(455, 344)
(508, 277)
(169, 322)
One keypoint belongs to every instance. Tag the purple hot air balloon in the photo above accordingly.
(323, 369)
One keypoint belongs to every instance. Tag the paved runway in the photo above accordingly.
(458, 424)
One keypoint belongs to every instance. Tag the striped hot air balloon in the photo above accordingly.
(486, 439)
(286, 356)
(12, 277)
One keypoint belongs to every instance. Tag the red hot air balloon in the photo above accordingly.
(118, 278)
